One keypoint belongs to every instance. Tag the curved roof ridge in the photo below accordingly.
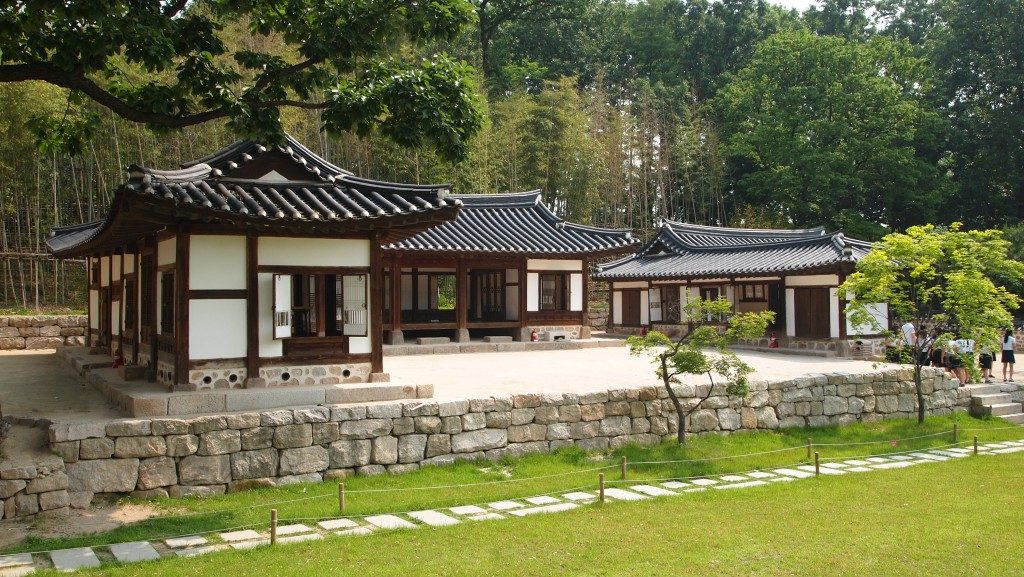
(386, 184)
(507, 198)
(724, 230)
(187, 174)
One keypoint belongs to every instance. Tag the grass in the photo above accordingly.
(48, 310)
(954, 518)
(514, 478)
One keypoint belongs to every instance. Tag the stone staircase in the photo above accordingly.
(991, 400)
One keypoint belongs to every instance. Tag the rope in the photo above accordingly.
(482, 483)
(895, 453)
(783, 450)
(880, 441)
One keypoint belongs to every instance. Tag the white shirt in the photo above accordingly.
(1009, 343)
(909, 333)
(965, 345)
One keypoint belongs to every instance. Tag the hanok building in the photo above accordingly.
(794, 273)
(266, 266)
(506, 265)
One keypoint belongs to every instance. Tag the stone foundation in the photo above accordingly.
(40, 488)
(214, 454)
(42, 332)
(313, 375)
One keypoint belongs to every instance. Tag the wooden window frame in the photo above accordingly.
(753, 298)
(564, 279)
(167, 298)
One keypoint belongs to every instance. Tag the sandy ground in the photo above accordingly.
(95, 519)
(37, 384)
(583, 370)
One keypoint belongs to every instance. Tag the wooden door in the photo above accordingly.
(487, 299)
(811, 313)
(777, 303)
(670, 306)
(631, 307)
(106, 324)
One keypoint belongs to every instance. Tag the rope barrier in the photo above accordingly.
(880, 441)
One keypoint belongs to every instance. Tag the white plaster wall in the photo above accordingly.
(655, 304)
(116, 263)
(645, 317)
(617, 307)
(406, 292)
(576, 292)
(833, 313)
(730, 293)
(532, 292)
(115, 317)
(322, 252)
(359, 345)
(553, 264)
(511, 275)
(216, 328)
(813, 280)
(632, 284)
(880, 312)
(216, 262)
(104, 271)
(512, 294)
(129, 263)
(790, 313)
(94, 309)
(269, 346)
(166, 251)
(423, 294)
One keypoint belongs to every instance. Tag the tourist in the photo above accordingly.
(966, 349)
(985, 360)
(1009, 342)
(909, 334)
(953, 363)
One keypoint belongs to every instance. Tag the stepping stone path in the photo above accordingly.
(193, 545)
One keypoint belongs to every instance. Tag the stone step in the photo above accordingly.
(497, 339)
(1000, 409)
(1015, 418)
(983, 389)
(993, 399)
(433, 341)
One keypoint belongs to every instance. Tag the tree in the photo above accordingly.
(943, 280)
(689, 354)
(165, 63)
(830, 131)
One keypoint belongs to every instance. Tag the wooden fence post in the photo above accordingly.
(273, 526)
(817, 463)
(622, 467)
(975, 445)
(341, 497)
(600, 487)
(956, 434)
(809, 444)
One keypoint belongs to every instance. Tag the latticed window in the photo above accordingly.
(167, 303)
(554, 292)
(130, 302)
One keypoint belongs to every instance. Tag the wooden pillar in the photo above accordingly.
(154, 278)
(396, 301)
(137, 279)
(522, 300)
(181, 285)
(842, 308)
(110, 302)
(88, 303)
(461, 301)
(376, 309)
(252, 308)
(611, 306)
(585, 320)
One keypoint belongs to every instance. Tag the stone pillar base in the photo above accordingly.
(396, 338)
(255, 383)
(584, 332)
(380, 377)
(462, 335)
(523, 334)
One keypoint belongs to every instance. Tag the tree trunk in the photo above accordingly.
(919, 387)
(680, 414)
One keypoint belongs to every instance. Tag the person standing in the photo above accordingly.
(1009, 342)
(985, 360)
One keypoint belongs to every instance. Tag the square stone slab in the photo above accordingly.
(742, 485)
(859, 469)
(695, 489)
(794, 473)
(835, 465)
(486, 517)
(434, 518)
(134, 552)
(234, 536)
(760, 475)
(653, 491)
(300, 538)
(196, 551)
(390, 522)
(732, 478)
(704, 482)
(579, 496)
(674, 484)
(877, 460)
(622, 494)
(468, 510)
(17, 571)
(857, 463)
(292, 529)
(355, 531)
(179, 542)
(545, 509)
(901, 458)
(505, 505)
(15, 560)
(71, 559)
(333, 524)
(782, 479)
(823, 470)
(929, 456)
(892, 465)
(542, 500)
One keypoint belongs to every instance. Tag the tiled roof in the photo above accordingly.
(331, 199)
(514, 223)
(687, 251)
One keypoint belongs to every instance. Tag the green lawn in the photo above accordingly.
(513, 478)
(953, 518)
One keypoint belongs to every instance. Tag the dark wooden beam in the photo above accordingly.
(461, 294)
(252, 307)
(181, 343)
(396, 294)
(218, 294)
(376, 305)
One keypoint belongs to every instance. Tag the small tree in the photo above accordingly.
(943, 280)
(712, 326)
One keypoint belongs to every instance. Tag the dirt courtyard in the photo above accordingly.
(461, 376)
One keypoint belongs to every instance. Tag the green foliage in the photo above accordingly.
(169, 64)
(826, 131)
(704, 350)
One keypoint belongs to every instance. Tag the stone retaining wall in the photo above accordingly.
(213, 454)
(34, 489)
(42, 332)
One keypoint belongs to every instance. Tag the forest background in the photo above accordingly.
(865, 116)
